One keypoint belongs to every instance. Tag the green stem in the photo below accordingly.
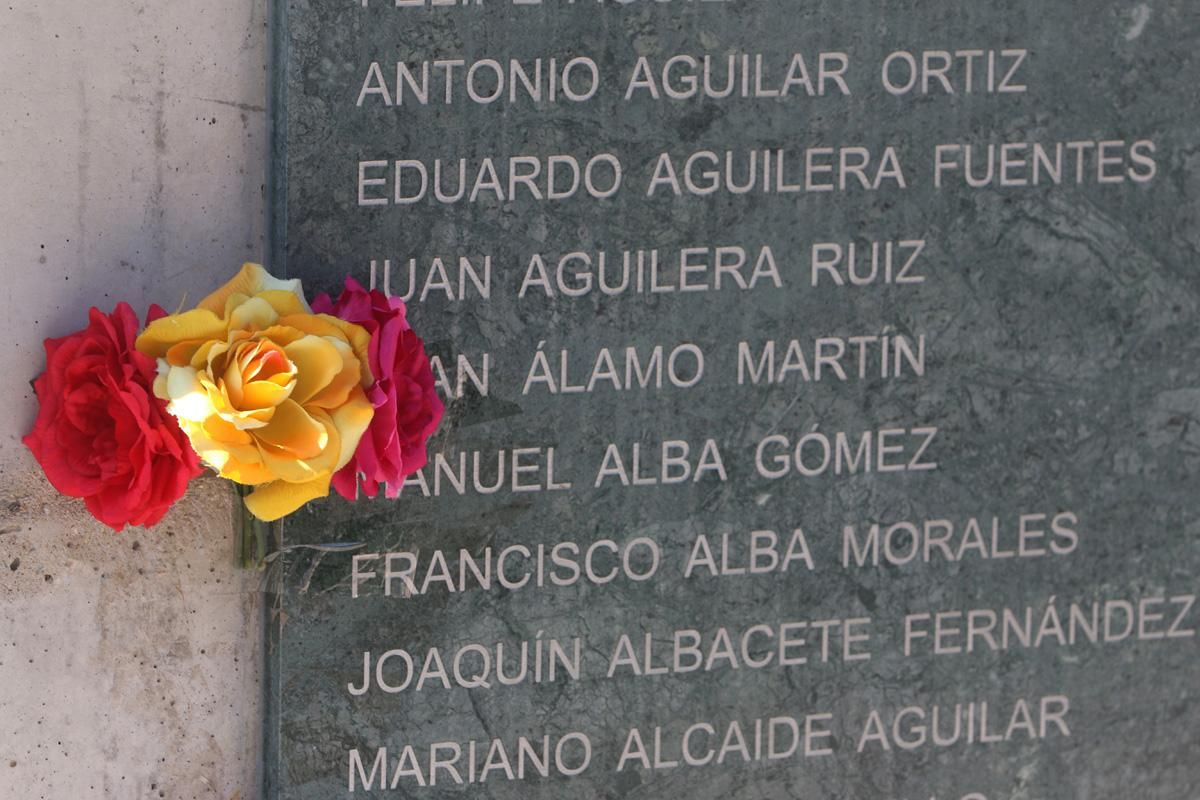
(253, 534)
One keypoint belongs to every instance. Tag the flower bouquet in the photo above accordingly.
(284, 398)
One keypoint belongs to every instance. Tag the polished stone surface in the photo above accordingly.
(1061, 373)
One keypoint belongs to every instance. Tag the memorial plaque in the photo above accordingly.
(823, 400)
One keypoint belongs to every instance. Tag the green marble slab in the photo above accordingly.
(1007, 398)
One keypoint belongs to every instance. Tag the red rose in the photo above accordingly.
(100, 433)
(407, 408)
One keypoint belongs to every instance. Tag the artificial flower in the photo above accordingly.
(407, 408)
(270, 394)
(101, 434)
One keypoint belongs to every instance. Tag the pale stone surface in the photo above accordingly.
(132, 168)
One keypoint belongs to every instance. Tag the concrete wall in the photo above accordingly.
(132, 155)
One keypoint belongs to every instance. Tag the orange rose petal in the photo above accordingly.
(196, 325)
(288, 467)
(243, 355)
(251, 280)
(216, 397)
(282, 335)
(211, 356)
(351, 421)
(239, 463)
(181, 354)
(293, 431)
(313, 324)
(224, 433)
(284, 466)
(325, 325)
(243, 419)
(269, 363)
(357, 336)
(233, 385)
(285, 303)
(247, 473)
(264, 394)
(328, 458)
(253, 314)
(253, 419)
(279, 498)
(248, 281)
(338, 390)
(317, 362)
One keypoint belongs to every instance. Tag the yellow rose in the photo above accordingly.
(270, 394)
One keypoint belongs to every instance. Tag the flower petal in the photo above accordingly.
(277, 499)
(264, 394)
(317, 362)
(196, 325)
(189, 400)
(285, 303)
(225, 433)
(342, 384)
(254, 314)
(251, 280)
(325, 325)
(351, 421)
(295, 432)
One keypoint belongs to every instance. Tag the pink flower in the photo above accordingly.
(407, 408)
